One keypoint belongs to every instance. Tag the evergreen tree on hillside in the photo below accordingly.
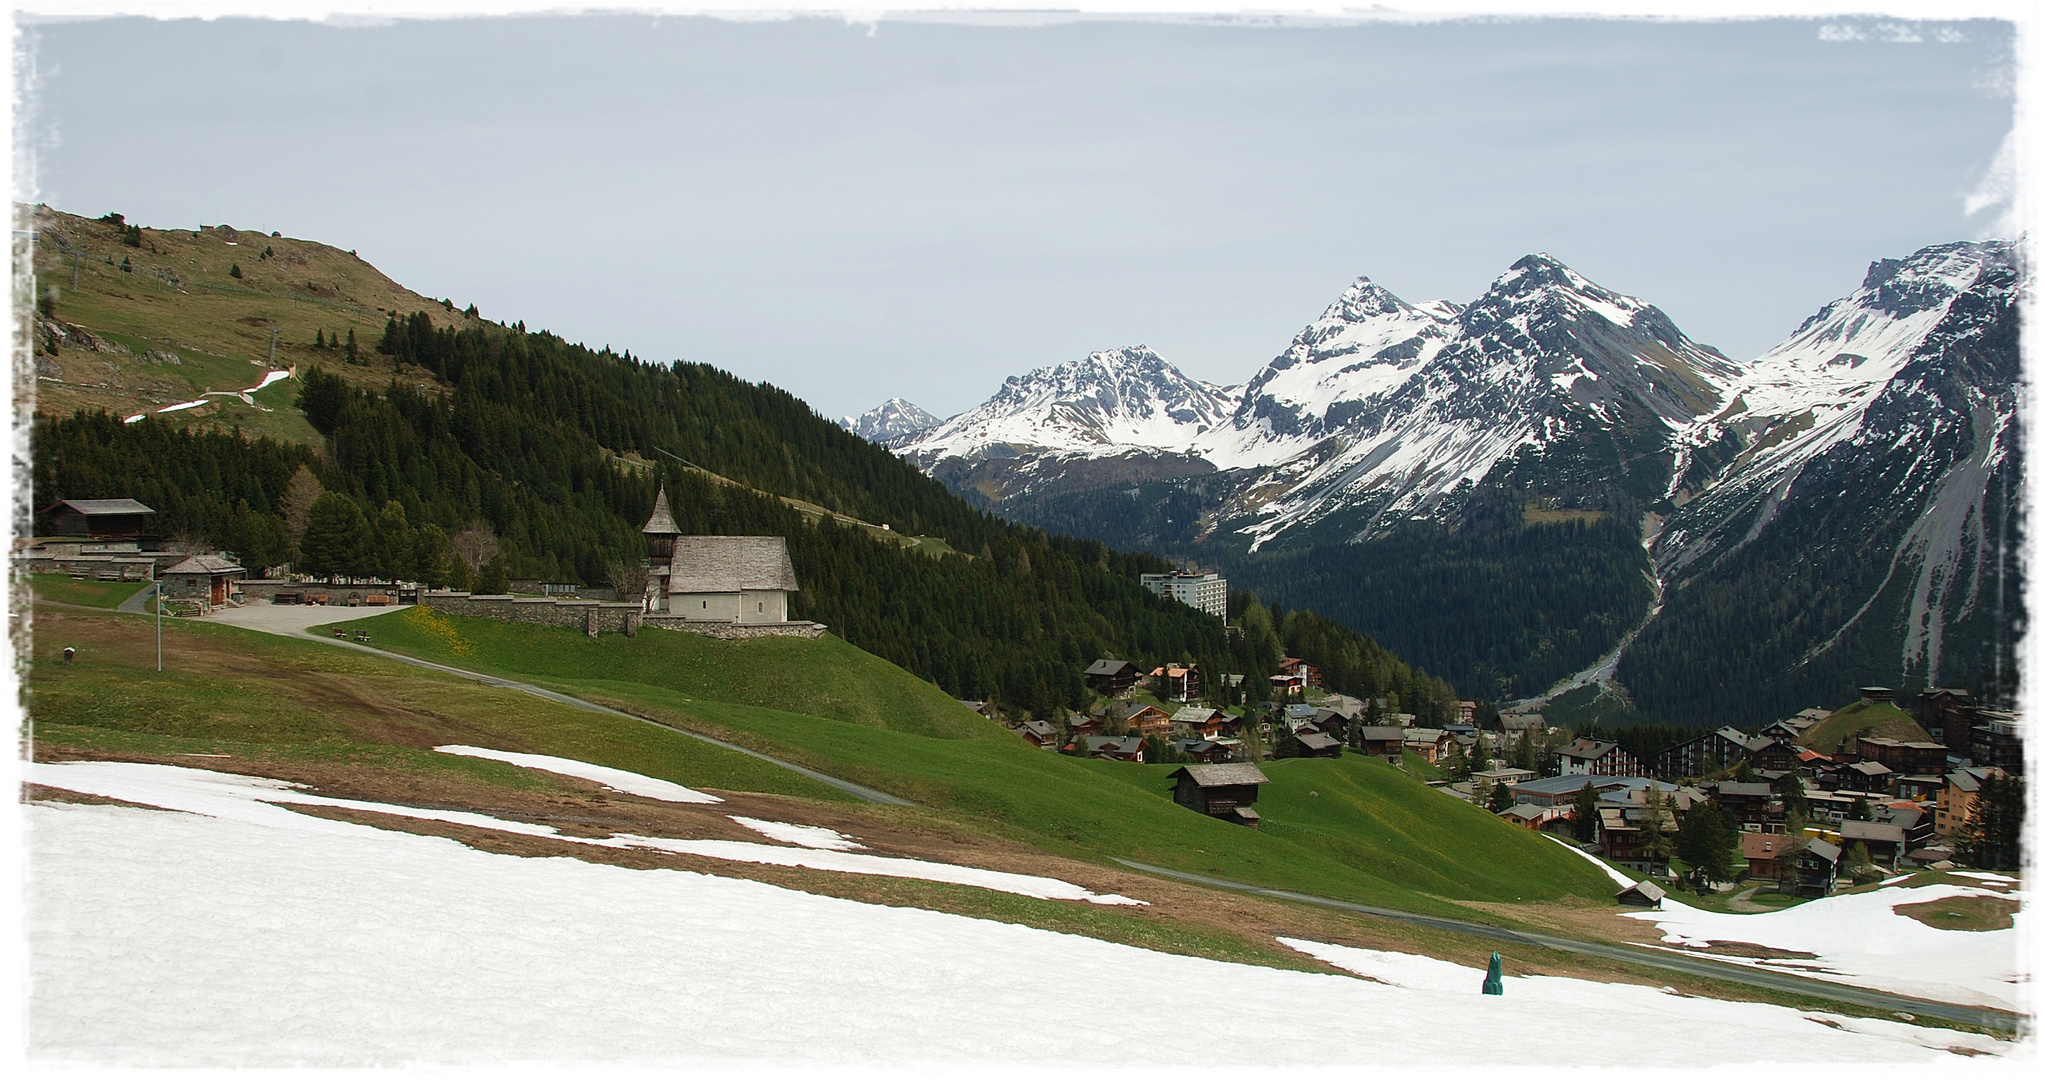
(1583, 815)
(1500, 800)
(1707, 841)
(338, 540)
(394, 543)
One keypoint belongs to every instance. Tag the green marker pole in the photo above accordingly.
(1494, 980)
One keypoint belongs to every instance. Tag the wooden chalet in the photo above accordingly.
(1204, 751)
(1223, 791)
(1115, 747)
(1817, 868)
(99, 519)
(1641, 894)
(1039, 734)
(1193, 721)
(1431, 744)
(1381, 741)
(1111, 678)
(1149, 720)
(1885, 840)
(1755, 805)
(1316, 744)
(1911, 758)
(1947, 715)
(1309, 676)
(1764, 852)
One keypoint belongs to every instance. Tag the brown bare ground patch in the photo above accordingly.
(1752, 951)
(45, 793)
(1976, 913)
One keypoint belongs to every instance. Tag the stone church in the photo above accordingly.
(715, 579)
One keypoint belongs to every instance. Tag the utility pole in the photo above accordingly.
(159, 624)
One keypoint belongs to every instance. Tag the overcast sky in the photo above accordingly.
(921, 209)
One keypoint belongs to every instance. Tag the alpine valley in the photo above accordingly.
(1551, 493)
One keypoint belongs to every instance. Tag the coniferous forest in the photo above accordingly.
(553, 453)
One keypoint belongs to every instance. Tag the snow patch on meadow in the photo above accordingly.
(252, 798)
(1861, 940)
(809, 836)
(630, 783)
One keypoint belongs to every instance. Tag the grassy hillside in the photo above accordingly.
(1880, 719)
(1352, 828)
(282, 707)
(177, 298)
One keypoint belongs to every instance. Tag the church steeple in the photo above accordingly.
(661, 530)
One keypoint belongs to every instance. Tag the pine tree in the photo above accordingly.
(394, 542)
(338, 539)
(319, 340)
(1500, 800)
(1655, 840)
(493, 581)
(351, 347)
(126, 266)
(233, 270)
(1583, 818)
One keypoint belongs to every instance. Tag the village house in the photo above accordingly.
(100, 519)
(1905, 757)
(1381, 741)
(1111, 678)
(1998, 740)
(1641, 894)
(1176, 682)
(1197, 722)
(1529, 816)
(1316, 744)
(1957, 799)
(1039, 734)
(1115, 747)
(1148, 720)
(1088, 725)
(207, 579)
(1705, 754)
(1763, 852)
(1308, 675)
(1754, 805)
(1562, 790)
(1947, 715)
(1432, 744)
(1817, 868)
(1205, 751)
(1585, 757)
(1884, 840)
(1508, 777)
(1223, 791)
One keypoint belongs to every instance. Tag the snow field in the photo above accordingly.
(177, 938)
(809, 836)
(252, 799)
(1861, 940)
(630, 783)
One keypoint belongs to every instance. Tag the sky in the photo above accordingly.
(920, 208)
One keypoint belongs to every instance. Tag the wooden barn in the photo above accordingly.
(1222, 791)
(99, 519)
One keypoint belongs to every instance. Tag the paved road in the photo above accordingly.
(294, 620)
(1710, 969)
(134, 604)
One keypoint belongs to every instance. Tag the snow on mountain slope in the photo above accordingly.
(1543, 357)
(891, 423)
(1107, 403)
(1366, 344)
(1887, 417)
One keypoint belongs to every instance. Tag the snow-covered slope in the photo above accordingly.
(891, 423)
(1864, 467)
(161, 938)
(1544, 357)
(1107, 403)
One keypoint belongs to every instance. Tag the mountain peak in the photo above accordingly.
(1364, 299)
(891, 423)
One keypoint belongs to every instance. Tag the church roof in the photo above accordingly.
(727, 564)
(662, 523)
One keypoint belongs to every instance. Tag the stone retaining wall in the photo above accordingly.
(602, 616)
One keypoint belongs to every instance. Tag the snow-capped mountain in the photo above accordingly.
(1830, 512)
(892, 423)
(1107, 403)
(1544, 359)
(1866, 467)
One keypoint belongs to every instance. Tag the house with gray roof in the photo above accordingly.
(1222, 791)
(99, 518)
(729, 579)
